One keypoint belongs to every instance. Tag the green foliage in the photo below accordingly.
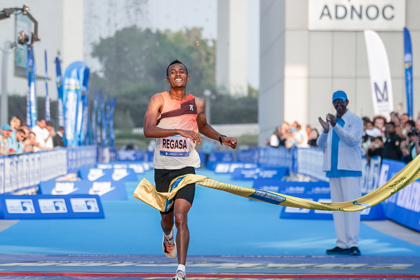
(134, 68)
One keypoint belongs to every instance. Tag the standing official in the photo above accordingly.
(341, 140)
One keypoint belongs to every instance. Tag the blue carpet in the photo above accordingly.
(220, 224)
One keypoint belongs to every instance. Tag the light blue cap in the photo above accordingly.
(6, 127)
(339, 94)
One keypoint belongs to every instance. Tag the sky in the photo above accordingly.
(104, 17)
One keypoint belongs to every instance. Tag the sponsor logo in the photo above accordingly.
(409, 198)
(52, 205)
(138, 168)
(119, 174)
(84, 205)
(367, 206)
(21, 206)
(95, 174)
(101, 188)
(104, 166)
(63, 188)
(268, 197)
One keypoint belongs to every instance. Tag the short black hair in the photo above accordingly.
(176, 61)
(61, 128)
(49, 123)
(391, 123)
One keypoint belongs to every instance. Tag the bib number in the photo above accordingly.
(175, 147)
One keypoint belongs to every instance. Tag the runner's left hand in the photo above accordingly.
(229, 141)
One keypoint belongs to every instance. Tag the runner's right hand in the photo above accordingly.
(190, 134)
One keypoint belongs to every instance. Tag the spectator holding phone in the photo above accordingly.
(410, 148)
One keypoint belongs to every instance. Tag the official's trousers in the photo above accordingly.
(346, 224)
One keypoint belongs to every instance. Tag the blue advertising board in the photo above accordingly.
(107, 190)
(230, 167)
(130, 155)
(100, 175)
(218, 157)
(259, 173)
(76, 206)
(404, 206)
(137, 167)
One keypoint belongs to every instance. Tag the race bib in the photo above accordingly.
(175, 147)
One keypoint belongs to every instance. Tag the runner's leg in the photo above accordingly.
(183, 234)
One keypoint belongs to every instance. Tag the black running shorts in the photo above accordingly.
(163, 178)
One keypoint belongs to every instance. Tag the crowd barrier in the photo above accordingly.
(26, 171)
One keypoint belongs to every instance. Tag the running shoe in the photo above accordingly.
(180, 275)
(169, 246)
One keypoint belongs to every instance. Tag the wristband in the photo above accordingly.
(220, 138)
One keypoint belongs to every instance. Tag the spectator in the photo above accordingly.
(397, 123)
(365, 121)
(18, 145)
(392, 145)
(379, 122)
(30, 143)
(274, 139)
(371, 134)
(410, 148)
(35, 145)
(301, 138)
(284, 133)
(404, 118)
(40, 130)
(308, 131)
(407, 127)
(375, 149)
(369, 125)
(48, 135)
(58, 140)
(6, 133)
(313, 137)
(418, 124)
(14, 125)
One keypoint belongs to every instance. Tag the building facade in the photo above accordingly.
(302, 64)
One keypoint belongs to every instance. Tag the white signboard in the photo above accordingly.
(385, 15)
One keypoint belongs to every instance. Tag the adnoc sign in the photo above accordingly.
(353, 15)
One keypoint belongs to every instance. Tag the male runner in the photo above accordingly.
(174, 118)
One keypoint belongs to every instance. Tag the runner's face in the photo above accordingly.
(178, 77)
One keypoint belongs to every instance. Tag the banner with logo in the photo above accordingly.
(85, 119)
(47, 96)
(74, 206)
(104, 122)
(380, 76)
(408, 65)
(72, 99)
(31, 107)
(107, 190)
(115, 174)
(162, 201)
(111, 123)
(93, 118)
(84, 73)
(58, 80)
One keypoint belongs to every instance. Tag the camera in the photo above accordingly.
(413, 132)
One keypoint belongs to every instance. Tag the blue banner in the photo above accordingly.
(59, 92)
(260, 173)
(99, 121)
(84, 73)
(104, 122)
(408, 65)
(72, 100)
(31, 108)
(404, 206)
(50, 206)
(107, 190)
(93, 118)
(101, 175)
(111, 123)
(85, 119)
(47, 96)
